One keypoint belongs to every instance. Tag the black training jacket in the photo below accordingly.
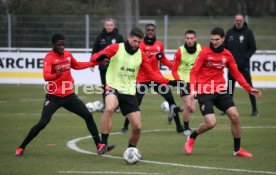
(241, 43)
(104, 39)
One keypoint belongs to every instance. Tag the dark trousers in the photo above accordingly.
(231, 86)
(103, 80)
(163, 90)
(73, 104)
(160, 89)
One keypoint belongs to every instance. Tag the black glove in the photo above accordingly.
(101, 57)
(159, 55)
(179, 83)
(173, 82)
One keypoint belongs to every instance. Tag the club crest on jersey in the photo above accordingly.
(113, 41)
(68, 59)
(223, 59)
(241, 38)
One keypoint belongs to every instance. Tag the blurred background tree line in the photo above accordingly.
(139, 7)
(30, 23)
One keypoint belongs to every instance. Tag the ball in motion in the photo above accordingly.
(132, 155)
(90, 106)
(165, 106)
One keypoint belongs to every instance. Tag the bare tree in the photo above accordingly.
(129, 10)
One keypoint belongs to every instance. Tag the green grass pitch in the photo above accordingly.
(160, 145)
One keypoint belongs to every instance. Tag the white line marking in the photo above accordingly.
(105, 172)
(72, 145)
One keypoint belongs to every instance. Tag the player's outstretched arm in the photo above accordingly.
(257, 93)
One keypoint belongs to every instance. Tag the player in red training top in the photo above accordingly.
(56, 71)
(207, 81)
(154, 51)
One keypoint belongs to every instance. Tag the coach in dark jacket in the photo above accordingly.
(240, 42)
(108, 35)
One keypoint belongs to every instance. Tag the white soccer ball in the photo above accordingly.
(132, 155)
(90, 106)
(98, 105)
(165, 106)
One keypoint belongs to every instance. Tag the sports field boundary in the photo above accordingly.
(72, 144)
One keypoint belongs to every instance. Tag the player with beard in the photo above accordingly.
(126, 59)
(154, 51)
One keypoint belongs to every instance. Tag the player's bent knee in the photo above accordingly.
(109, 109)
(211, 125)
(137, 126)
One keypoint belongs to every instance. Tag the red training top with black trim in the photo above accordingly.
(151, 51)
(61, 84)
(207, 74)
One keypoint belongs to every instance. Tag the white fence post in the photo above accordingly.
(86, 31)
(166, 32)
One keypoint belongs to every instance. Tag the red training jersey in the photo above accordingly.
(61, 84)
(207, 74)
(151, 51)
(112, 49)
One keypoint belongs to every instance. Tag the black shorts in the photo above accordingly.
(222, 101)
(184, 91)
(127, 103)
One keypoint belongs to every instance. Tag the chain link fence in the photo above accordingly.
(26, 31)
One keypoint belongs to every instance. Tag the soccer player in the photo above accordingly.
(184, 59)
(109, 35)
(56, 70)
(239, 40)
(154, 51)
(125, 61)
(207, 81)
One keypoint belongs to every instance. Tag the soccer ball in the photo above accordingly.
(98, 105)
(90, 106)
(165, 106)
(132, 155)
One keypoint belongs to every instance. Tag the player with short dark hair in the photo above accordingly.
(56, 70)
(207, 81)
(125, 61)
(154, 50)
(184, 59)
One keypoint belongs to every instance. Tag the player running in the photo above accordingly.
(207, 80)
(184, 59)
(125, 61)
(154, 51)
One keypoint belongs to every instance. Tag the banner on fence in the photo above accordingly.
(26, 68)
